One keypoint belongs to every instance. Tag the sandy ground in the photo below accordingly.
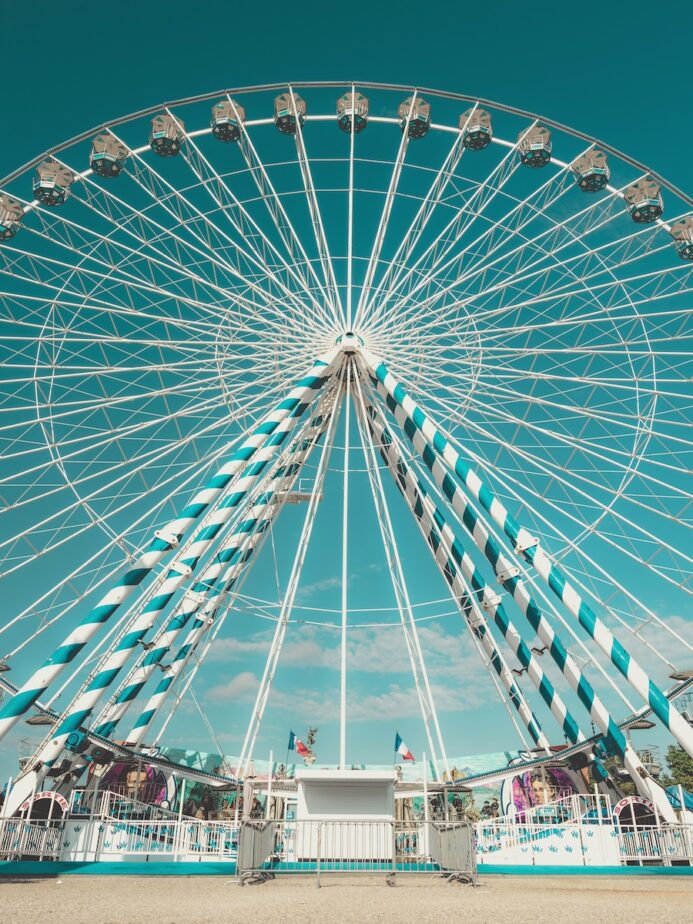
(497, 900)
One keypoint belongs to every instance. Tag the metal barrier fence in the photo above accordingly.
(357, 847)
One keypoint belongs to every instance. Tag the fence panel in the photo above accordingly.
(31, 839)
(452, 849)
(667, 845)
(357, 847)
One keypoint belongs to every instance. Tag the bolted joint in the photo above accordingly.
(170, 538)
(490, 601)
(525, 540)
(506, 571)
(194, 596)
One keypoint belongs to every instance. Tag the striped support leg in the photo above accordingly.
(81, 707)
(281, 480)
(164, 540)
(503, 567)
(236, 570)
(647, 787)
(200, 626)
(457, 568)
(432, 442)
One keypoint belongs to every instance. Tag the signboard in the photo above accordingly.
(45, 794)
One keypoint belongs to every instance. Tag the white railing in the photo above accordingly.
(667, 844)
(190, 839)
(116, 803)
(29, 839)
(569, 809)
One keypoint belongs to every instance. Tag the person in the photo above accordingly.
(543, 789)
(135, 779)
(206, 807)
(227, 812)
(535, 789)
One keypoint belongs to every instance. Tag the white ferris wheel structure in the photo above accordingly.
(478, 316)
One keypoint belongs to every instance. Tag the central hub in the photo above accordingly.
(349, 341)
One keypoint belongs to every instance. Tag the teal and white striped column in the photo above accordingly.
(281, 480)
(201, 624)
(268, 431)
(450, 556)
(433, 445)
(258, 521)
(646, 786)
(81, 707)
(487, 545)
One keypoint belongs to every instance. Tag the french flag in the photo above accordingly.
(402, 749)
(295, 744)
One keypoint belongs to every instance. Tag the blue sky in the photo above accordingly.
(621, 76)
(618, 74)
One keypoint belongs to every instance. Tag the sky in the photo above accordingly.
(618, 71)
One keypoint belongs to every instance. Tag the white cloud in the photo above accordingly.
(449, 656)
(239, 687)
(232, 649)
(309, 590)
(309, 653)
(395, 701)
(673, 649)
(401, 703)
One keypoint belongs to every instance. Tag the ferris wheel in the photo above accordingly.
(236, 302)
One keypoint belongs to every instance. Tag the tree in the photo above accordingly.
(681, 766)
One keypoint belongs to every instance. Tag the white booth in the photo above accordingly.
(345, 815)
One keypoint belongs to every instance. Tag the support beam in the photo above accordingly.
(429, 438)
(260, 519)
(345, 574)
(272, 428)
(263, 505)
(475, 526)
(454, 563)
(274, 653)
(410, 631)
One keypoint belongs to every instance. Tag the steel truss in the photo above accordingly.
(150, 323)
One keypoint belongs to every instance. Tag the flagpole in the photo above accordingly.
(269, 784)
(426, 811)
(425, 787)
(345, 522)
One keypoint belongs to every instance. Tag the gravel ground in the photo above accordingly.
(497, 900)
